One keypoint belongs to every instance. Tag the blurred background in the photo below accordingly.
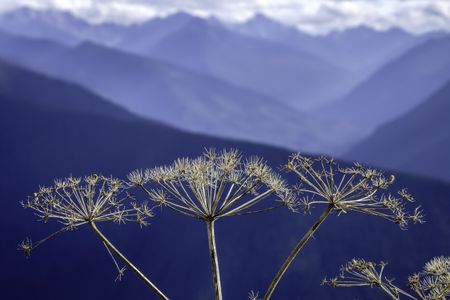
(108, 86)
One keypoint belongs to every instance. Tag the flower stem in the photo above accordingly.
(214, 260)
(296, 251)
(127, 262)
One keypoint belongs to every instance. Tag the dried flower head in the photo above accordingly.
(214, 185)
(359, 272)
(433, 283)
(78, 201)
(355, 188)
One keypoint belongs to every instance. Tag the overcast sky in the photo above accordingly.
(315, 16)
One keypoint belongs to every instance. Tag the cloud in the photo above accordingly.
(317, 16)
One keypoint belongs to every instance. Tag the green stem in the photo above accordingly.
(127, 262)
(295, 252)
(214, 260)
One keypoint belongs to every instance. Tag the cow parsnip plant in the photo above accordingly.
(75, 202)
(214, 186)
(343, 190)
(224, 184)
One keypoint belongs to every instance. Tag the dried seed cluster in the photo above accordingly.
(214, 185)
(323, 181)
(433, 283)
(78, 201)
(358, 272)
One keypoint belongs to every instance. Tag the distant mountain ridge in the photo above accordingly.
(359, 49)
(24, 85)
(64, 27)
(418, 141)
(293, 76)
(164, 92)
(299, 69)
(396, 88)
(59, 26)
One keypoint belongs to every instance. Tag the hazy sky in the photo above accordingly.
(310, 15)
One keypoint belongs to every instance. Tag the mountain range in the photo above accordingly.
(295, 77)
(294, 74)
(66, 28)
(260, 81)
(395, 88)
(44, 138)
(360, 49)
(177, 96)
(57, 25)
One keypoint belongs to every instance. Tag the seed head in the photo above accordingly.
(359, 272)
(433, 283)
(77, 201)
(356, 188)
(216, 184)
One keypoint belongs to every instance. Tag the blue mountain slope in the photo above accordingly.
(396, 88)
(139, 38)
(418, 141)
(179, 97)
(40, 144)
(295, 77)
(55, 94)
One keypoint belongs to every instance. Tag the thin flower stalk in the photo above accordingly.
(342, 190)
(295, 252)
(128, 263)
(213, 186)
(74, 202)
(432, 283)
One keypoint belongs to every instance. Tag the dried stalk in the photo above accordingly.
(295, 252)
(129, 264)
(214, 260)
